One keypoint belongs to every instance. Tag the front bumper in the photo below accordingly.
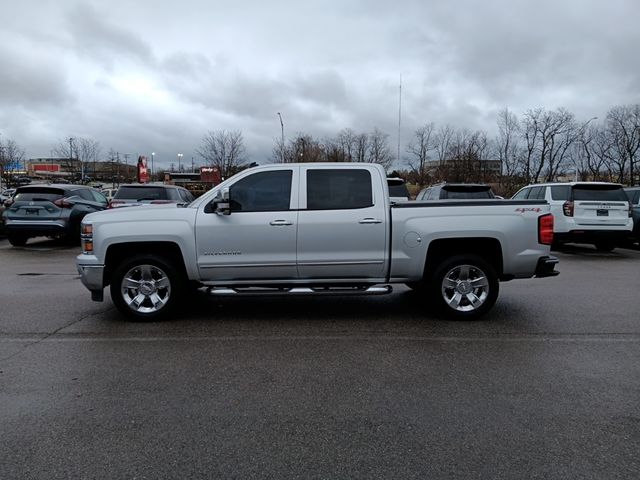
(92, 277)
(546, 267)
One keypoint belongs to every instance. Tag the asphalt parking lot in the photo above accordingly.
(546, 386)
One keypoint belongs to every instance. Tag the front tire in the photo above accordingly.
(146, 288)
(464, 287)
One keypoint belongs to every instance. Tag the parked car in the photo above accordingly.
(7, 194)
(138, 194)
(314, 228)
(456, 191)
(50, 210)
(633, 194)
(397, 190)
(585, 212)
(109, 192)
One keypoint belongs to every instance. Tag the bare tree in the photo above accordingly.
(623, 125)
(10, 154)
(508, 148)
(361, 148)
(442, 142)
(419, 148)
(347, 141)
(379, 150)
(225, 150)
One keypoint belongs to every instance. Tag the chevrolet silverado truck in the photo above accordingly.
(314, 229)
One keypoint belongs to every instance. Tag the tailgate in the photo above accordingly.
(34, 211)
(598, 204)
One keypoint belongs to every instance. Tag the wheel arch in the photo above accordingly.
(486, 248)
(119, 252)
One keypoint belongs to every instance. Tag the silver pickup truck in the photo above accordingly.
(314, 229)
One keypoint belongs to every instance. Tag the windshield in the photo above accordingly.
(398, 190)
(466, 192)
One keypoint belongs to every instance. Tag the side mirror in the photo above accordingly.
(220, 203)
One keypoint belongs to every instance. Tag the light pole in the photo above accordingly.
(282, 138)
(153, 155)
(179, 162)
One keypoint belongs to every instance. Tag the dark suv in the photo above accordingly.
(456, 191)
(49, 210)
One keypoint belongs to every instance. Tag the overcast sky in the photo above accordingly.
(142, 76)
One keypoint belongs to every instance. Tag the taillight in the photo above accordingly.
(8, 203)
(567, 208)
(545, 229)
(114, 203)
(62, 203)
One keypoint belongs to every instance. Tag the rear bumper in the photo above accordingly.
(591, 236)
(546, 267)
(36, 228)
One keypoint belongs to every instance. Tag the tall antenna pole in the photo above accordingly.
(399, 115)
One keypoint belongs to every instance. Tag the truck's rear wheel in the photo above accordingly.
(146, 287)
(465, 287)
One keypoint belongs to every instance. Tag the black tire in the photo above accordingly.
(453, 294)
(17, 240)
(605, 246)
(154, 276)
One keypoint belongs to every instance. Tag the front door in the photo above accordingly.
(257, 241)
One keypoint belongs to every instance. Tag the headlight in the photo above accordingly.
(86, 238)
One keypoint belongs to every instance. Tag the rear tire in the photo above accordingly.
(605, 246)
(464, 287)
(17, 240)
(146, 288)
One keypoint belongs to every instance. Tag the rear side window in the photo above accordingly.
(37, 194)
(522, 194)
(142, 193)
(560, 192)
(333, 189)
(466, 192)
(262, 192)
(536, 193)
(599, 193)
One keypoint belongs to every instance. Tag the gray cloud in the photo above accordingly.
(155, 75)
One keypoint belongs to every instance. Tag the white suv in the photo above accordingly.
(585, 212)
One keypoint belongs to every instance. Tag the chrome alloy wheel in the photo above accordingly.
(465, 288)
(145, 288)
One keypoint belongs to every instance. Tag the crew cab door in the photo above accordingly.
(257, 240)
(342, 223)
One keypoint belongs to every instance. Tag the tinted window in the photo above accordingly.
(398, 190)
(466, 192)
(560, 192)
(261, 192)
(43, 193)
(536, 193)
(141, 193)
(339, 188)
(599, 193)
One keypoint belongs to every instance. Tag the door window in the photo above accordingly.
(334, 189)
(262, 192)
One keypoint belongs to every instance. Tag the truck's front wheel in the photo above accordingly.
(465, 287)
(145, 287)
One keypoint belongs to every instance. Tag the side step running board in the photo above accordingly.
(373, 290)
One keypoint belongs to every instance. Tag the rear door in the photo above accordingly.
(600, 204)
(342, 223)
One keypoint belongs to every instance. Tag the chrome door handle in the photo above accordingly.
(370, 220)
(280, 223)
